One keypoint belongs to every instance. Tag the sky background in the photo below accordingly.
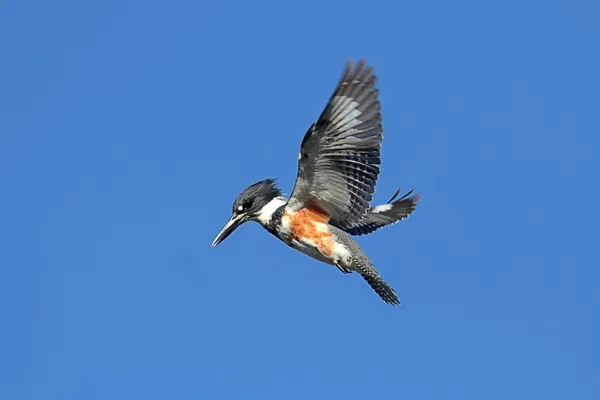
(127, 129)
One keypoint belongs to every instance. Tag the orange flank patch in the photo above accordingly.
(303, 225)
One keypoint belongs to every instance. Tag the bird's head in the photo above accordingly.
(248, 206)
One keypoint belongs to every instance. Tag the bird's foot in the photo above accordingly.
(342, 268)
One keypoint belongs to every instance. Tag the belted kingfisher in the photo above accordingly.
(338, 167)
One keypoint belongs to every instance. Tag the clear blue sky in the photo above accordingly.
(128, 128)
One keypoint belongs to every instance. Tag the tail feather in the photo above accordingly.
(359, 262)
(386, 214)
(385, 291)
(381, 287)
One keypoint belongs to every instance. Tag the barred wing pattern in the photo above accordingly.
(387, 214)
(339, 159)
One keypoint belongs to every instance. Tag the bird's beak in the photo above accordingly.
(231, 225)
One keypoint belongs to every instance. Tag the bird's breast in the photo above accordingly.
(307, 231)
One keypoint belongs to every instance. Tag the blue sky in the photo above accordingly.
(128, 128)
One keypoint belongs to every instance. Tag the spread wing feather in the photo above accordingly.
(386, 214)
(339, 159)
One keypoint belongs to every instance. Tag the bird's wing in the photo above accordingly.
(386, 214)
(339, 159)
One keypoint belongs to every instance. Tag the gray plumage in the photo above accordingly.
(338, 167)
(339, 157)
(362, 264)
(375, 219)
(256, 196)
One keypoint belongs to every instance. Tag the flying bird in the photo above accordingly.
(338, 167)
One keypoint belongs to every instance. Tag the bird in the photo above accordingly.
(338, 167)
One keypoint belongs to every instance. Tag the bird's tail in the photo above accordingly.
(385, 291)
(360, 263)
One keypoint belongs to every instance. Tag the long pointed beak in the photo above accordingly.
(230, 226)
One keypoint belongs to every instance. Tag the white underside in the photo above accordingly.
(340, 253)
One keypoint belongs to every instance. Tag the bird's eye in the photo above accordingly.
(247, 204)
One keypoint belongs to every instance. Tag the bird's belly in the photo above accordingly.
(311, 249)
(314, 239)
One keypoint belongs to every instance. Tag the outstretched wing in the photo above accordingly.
(386, 214)
(339, 159)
